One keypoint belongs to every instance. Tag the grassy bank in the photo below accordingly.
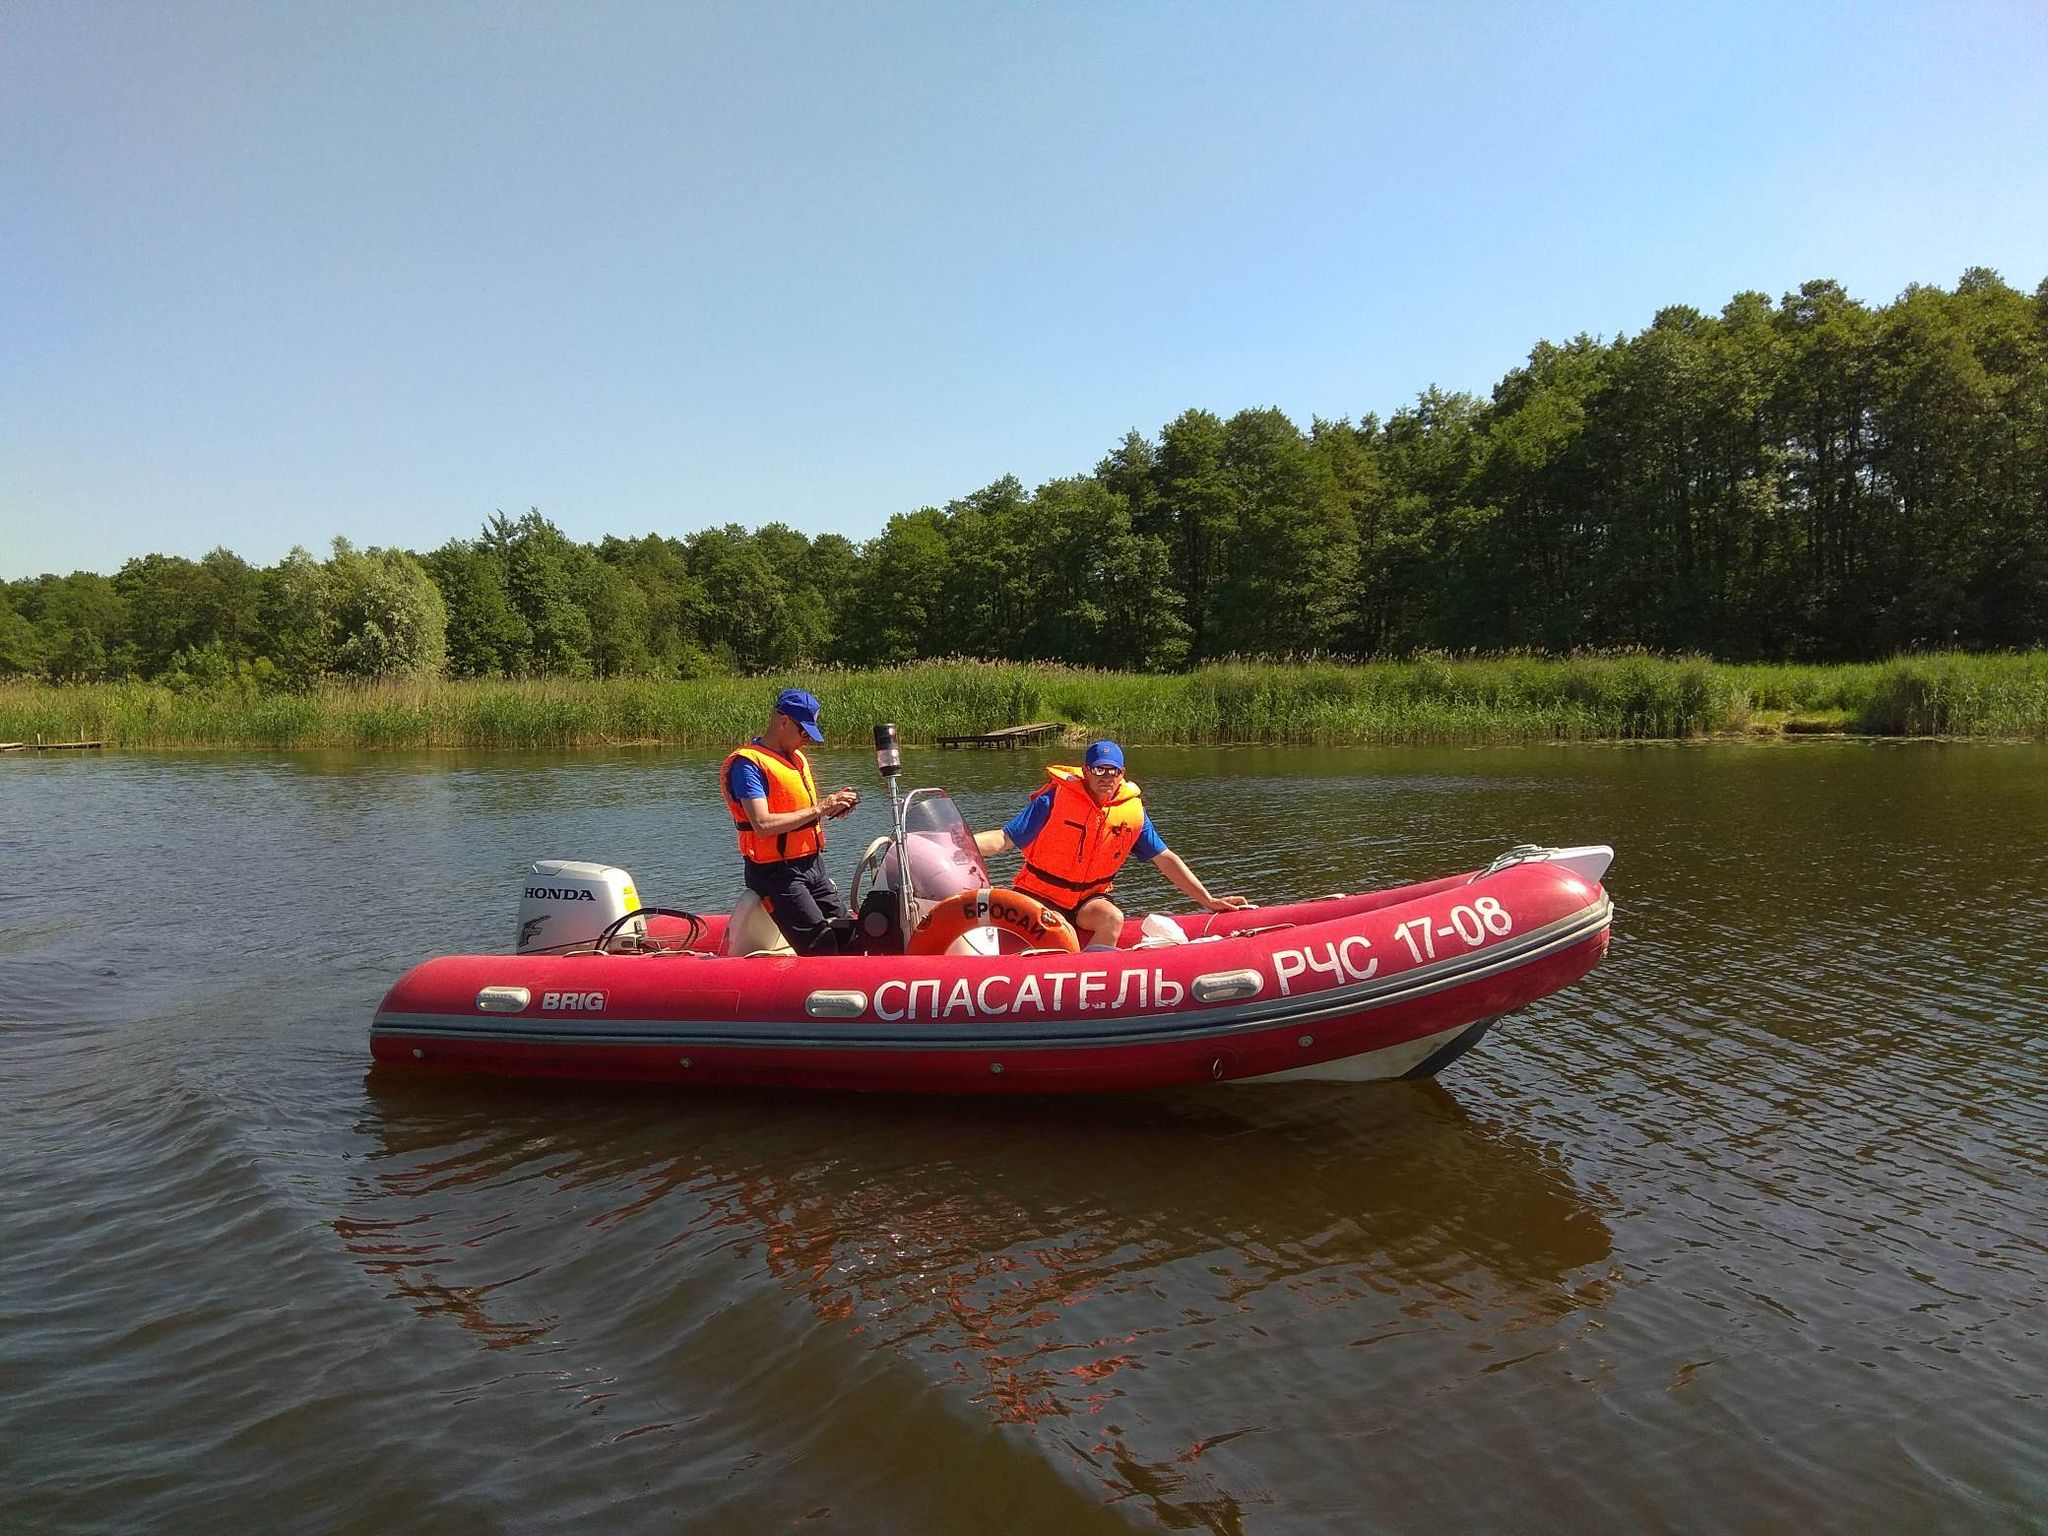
(1510, 699)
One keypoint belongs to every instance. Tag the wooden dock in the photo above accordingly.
(1008, 736)
(51, 746)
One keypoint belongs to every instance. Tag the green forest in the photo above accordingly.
(1812, 479)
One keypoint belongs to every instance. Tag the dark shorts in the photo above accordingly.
(1073, 914)
(802, 900)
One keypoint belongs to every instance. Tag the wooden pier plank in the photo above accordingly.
(1005, 736)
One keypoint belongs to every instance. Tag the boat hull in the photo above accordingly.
(1354, 988)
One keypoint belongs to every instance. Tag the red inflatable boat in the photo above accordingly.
(1396, 983)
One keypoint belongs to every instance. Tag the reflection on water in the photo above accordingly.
(1070, 1268)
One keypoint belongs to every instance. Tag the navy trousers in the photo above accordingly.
(803, 901)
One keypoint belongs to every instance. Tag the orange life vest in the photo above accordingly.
(1082, 845)
(790, 788)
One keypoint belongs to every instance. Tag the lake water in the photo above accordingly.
(1745, 1232)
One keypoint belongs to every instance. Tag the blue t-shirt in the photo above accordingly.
(1030, 821)
(745, 780)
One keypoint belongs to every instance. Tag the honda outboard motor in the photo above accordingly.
(568, 902)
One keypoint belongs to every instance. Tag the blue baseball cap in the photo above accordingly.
(1104, 752)
(802, 708)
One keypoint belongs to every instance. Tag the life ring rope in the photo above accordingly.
(1006, 911)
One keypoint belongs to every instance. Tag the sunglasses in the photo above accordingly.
(1105, 768)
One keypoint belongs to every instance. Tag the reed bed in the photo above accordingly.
(1425, 701)
(1950, 694)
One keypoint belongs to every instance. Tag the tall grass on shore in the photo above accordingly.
(1426, 701)
(1949, 694)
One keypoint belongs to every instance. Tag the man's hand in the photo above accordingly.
(1225, 903)
(839, 802)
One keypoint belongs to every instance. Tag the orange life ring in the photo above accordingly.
(1008, 912)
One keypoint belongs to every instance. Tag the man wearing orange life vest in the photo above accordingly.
(1075, 834)
(775, 807)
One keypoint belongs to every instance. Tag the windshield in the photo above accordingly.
(943, 860)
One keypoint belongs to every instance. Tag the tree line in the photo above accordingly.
(1810, 479)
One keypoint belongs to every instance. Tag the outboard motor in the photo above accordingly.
(568, 902)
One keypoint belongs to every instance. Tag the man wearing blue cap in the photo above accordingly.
(1075, 834)
(768, 788)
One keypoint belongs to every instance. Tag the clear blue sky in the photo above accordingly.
(271, 272)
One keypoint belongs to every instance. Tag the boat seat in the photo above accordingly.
(751, 931)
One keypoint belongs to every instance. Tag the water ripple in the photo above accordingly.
(1743, 1232)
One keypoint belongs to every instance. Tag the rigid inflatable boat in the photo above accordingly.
(959, 988)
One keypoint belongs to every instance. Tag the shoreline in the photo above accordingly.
(1072, 740)
(1479, 701)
